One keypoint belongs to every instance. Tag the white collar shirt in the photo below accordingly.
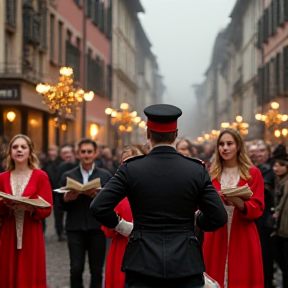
(86, 174)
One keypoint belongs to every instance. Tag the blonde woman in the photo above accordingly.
(232, 254)
(22, 251)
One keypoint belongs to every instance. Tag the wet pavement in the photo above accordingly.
(57, 260)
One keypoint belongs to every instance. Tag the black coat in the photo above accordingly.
(164, 189)
(79, 216)
(267, 220)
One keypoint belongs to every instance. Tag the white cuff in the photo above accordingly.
(125, 228)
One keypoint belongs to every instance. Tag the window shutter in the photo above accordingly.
(101, 17)
(285, 69)
(274, 13)
(109, 82)
(260, 34)
(260, 86)
(276, 74)
(281, 13)
(270, 20)
(286, 10)
(109, 22)
(266, 26)
(272, 78)
(96, 13)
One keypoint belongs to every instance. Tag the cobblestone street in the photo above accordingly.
(57, 259)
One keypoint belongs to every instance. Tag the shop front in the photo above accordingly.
(22, 112)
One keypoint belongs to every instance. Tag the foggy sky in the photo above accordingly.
(182, 34)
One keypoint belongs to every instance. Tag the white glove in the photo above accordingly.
(125, 228)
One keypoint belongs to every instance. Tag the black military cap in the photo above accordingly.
(162, 117)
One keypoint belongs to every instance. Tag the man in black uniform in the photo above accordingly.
(164, 189)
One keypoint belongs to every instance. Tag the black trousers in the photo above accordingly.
(94, 242)
(267, 255)
(137, 280)
(58, 213)
(281, 255)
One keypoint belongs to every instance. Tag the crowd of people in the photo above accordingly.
(256, 231)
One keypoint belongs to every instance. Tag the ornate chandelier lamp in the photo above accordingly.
(274, 118)
(238, 125)
(64, 98)
(125, 119)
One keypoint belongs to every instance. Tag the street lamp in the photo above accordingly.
(124, 119)
(272, 117)
(238, 125)
(64, 98)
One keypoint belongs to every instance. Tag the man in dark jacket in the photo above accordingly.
(265, 223)
(164, 189)
(83, 231)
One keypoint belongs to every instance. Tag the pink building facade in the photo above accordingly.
(273, 58)
(79, 36)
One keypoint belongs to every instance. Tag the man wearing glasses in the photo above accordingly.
(83, 231)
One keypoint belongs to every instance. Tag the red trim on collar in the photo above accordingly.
(162, 127)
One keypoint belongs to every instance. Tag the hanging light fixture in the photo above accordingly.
(64, 98)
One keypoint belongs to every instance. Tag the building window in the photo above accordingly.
(95, 74)
(68, 35)
(35, 128)
(285, 69)
(78, 42)
(52, 20)
(43, 29)
(60, 28)
(78, 2)
(11, 13)
(73, 59)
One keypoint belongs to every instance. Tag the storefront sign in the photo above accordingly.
(9, 92)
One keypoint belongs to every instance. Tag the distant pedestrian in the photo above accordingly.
(281, 211)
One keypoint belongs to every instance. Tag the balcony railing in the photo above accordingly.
(20, 71)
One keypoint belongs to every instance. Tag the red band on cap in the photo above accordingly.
(162, 127)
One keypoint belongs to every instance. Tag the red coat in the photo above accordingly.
(114, 278)
(25, 267)
(244, 255)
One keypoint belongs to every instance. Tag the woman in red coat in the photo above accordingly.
(22, 250)
(232, 254)
(114, 278)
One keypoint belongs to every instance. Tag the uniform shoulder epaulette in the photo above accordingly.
(132, 158)
(197, 160)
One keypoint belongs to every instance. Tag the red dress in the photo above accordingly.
(244, 253)
(114, 278)
(24, 268)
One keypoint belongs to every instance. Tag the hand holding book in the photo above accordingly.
(242, 192)
(73, 185)
(11, 200)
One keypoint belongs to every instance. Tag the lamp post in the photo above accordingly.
(273, 119)
(124, 120)
(64, 98)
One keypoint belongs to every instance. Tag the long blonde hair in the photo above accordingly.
(243, 161)
(33, 162)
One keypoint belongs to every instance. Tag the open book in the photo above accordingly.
(243, 192)
(39, 203)
(72, 184)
